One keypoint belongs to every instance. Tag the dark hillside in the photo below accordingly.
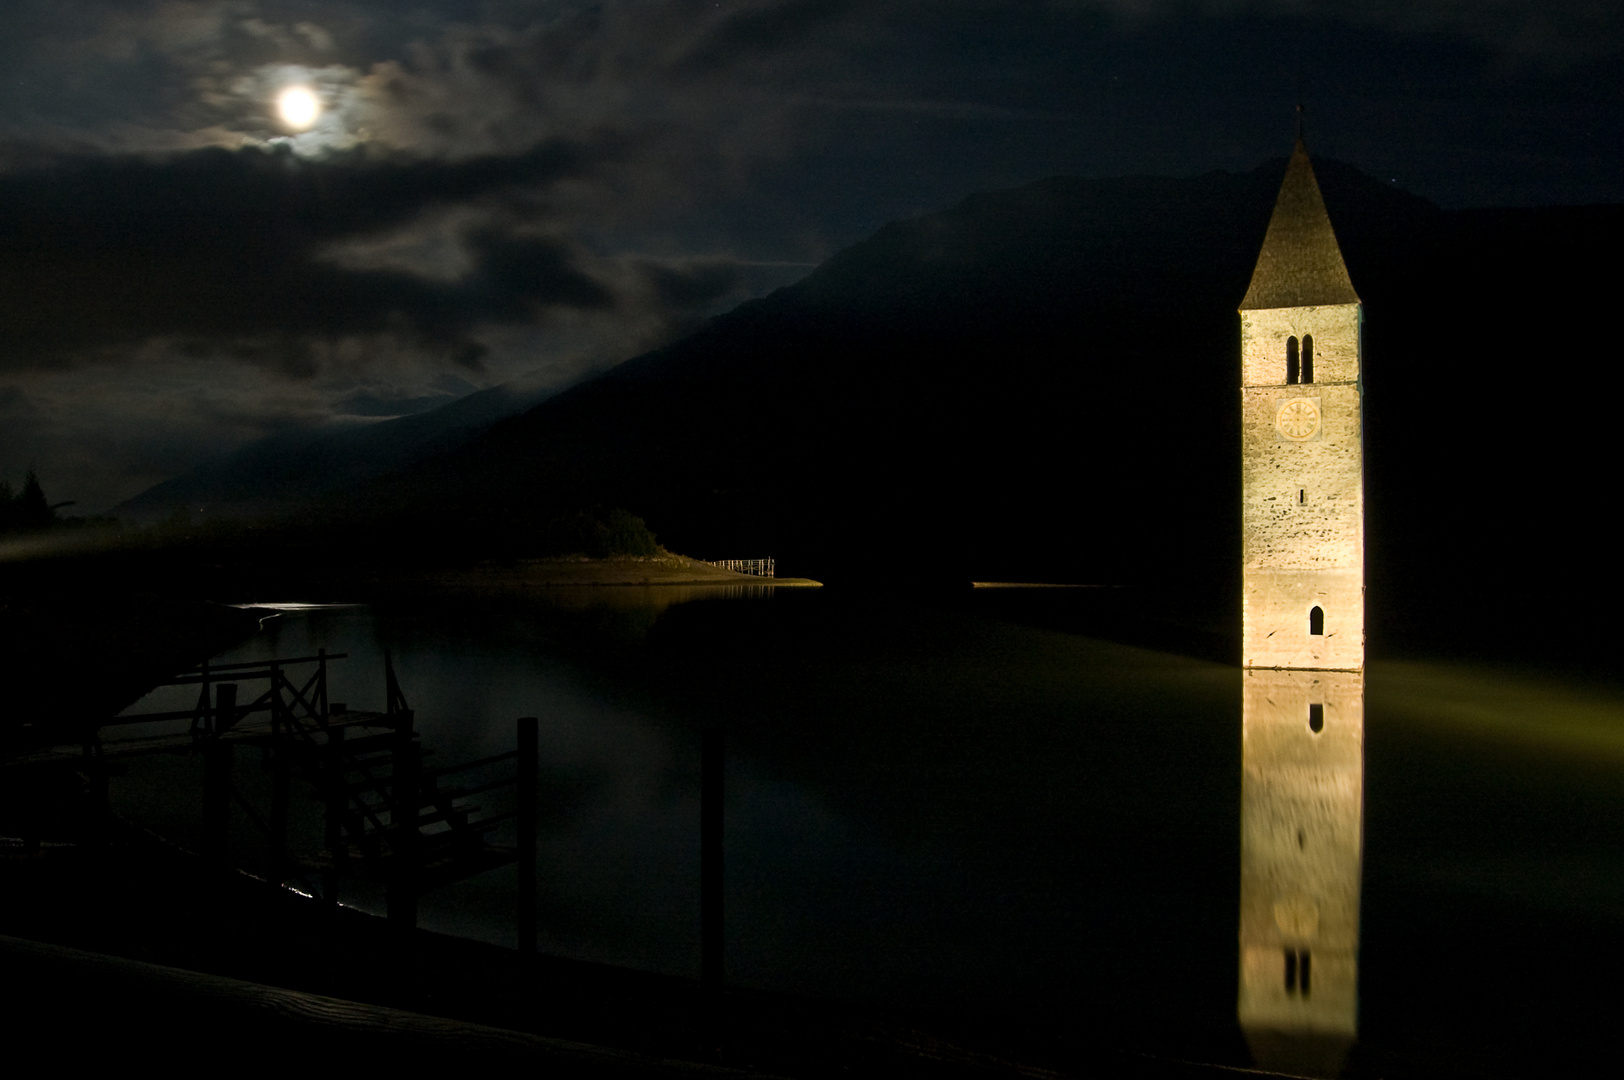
(285, 471)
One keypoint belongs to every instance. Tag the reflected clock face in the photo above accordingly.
(1298, 419)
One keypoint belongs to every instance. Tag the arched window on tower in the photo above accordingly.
(1316, 620)
(1291, 359)
(1308, 358)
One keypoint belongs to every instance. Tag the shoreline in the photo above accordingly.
(631, 570)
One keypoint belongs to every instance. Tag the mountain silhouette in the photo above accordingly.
(284, 472)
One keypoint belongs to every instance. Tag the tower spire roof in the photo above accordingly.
(1300, 264)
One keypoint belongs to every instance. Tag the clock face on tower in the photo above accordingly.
(1298, 419)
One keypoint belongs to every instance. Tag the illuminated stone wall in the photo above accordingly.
(1301, 844)
(1335, 330)
(1302, 501)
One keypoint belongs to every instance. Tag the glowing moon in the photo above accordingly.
(299, 107)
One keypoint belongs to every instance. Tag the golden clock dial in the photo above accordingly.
(1298, 419)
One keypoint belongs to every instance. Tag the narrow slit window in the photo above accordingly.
(1291, 359)
(1316, 718)
(1298, 963)
(1308, 358)
(1316, 620)
(1302, 496)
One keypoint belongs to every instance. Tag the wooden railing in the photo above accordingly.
(387, 817)
(758, 567)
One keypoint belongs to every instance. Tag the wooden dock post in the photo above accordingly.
(281, 751)
(96, 809)
(338, 803)
(225, 708)
(525, 864)
(218, 758)
(712, 749)
(404, 793)
(203, 718)
(217, 762)
(319, 700)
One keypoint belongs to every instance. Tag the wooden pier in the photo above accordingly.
(388, 818)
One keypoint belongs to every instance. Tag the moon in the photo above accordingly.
(298, 106)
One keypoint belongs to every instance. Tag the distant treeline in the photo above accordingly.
(598, 534)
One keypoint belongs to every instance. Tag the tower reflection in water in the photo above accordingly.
(1301, 840)
(1302, 638)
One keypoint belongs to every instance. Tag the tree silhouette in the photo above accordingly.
(33, 509)
(27, 510)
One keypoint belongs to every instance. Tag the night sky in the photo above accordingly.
(519, 190)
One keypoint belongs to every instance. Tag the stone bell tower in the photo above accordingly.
(1303, 546)
(1302, 696)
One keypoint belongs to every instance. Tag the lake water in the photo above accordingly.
(931, 806)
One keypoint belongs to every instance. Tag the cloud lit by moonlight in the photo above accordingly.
(298, 107)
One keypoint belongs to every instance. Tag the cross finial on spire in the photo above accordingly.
(1299, 104)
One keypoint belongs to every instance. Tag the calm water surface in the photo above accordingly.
(931, 807)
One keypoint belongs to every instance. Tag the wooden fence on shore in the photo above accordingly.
(757, 567)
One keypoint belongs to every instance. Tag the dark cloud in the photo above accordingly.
(369, 404)
(753, 31)
(1539, 31)
(231, 247)
(519, 273)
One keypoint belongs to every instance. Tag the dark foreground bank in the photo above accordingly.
(166, 956)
